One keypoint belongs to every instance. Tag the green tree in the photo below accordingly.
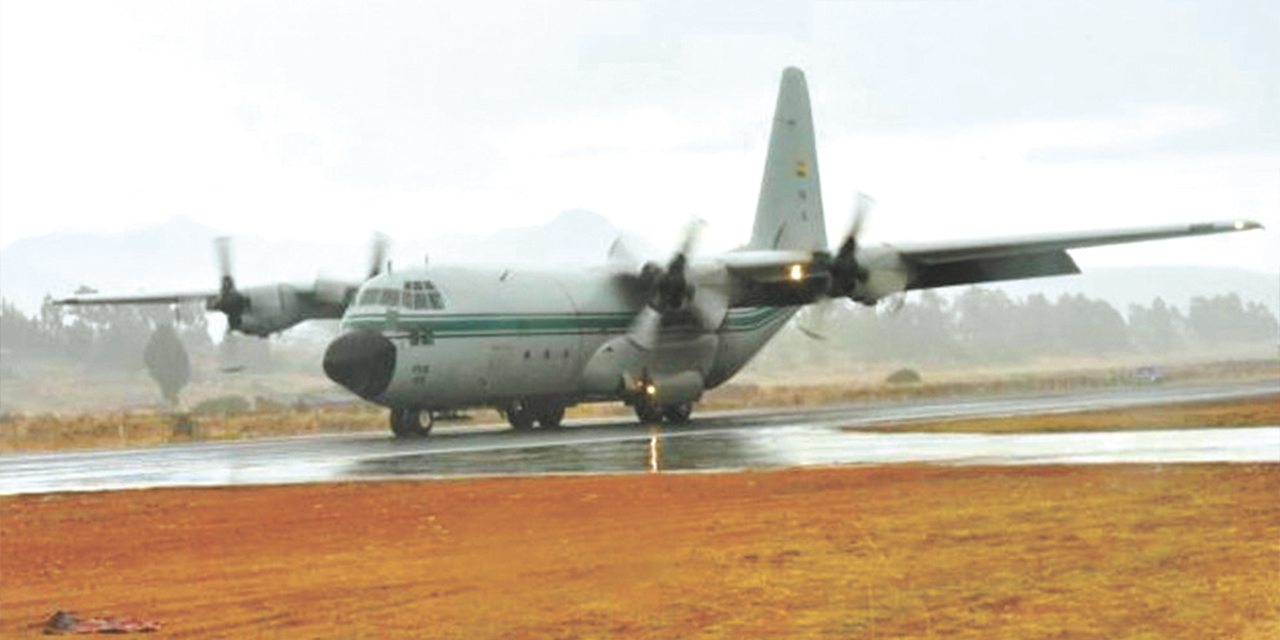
(1158, 328)
(1224, 318)
(167, 362)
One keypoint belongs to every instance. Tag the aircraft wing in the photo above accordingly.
(940, 264)
(798, 277)
(141, 298)
(258, 310)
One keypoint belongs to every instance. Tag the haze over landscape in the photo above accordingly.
(1093, 455)
(1204, 312)
(133, 134)
(318, 123)
(178, 255)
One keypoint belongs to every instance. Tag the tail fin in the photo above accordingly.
(789, 213)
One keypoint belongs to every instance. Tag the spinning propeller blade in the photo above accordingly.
(846, 272)
(672, 289)
(229, 301)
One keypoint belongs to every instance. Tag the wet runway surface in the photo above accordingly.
(735, 440)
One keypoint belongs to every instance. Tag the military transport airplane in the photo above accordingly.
(530, 342)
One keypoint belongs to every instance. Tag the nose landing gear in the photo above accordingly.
(407, 423)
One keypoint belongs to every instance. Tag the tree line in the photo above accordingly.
(986, 325)
(104, 338)
(977, 325)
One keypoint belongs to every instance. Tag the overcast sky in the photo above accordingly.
(331, 120)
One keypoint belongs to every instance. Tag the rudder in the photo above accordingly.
(789, 212)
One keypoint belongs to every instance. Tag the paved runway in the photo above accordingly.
(734, 440)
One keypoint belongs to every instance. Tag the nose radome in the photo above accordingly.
(362, 361)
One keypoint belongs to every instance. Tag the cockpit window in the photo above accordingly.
(418, 294)
(422, 295)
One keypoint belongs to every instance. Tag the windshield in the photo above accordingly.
(415, 294)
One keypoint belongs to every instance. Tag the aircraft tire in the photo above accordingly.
(520, 415)
(550, 416)
(648, 411)
(407, 423)
(677, 413)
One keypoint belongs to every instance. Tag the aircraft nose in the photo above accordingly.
(362, 361)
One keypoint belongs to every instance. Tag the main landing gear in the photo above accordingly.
(522, 414)
(411, 423)
(649, 411)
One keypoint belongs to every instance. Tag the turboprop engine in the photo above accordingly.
(865, 274)
(675, 292)
(264, 310)
(672, 373)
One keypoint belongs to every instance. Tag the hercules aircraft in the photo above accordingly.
(530, 342)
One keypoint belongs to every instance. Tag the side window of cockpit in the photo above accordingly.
(389, 298)
(433, 295)
(368, 297)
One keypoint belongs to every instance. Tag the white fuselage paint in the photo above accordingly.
(506, 333)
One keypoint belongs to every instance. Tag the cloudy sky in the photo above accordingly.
(329, 120)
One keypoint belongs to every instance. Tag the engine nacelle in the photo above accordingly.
(620, 368)
(885, 274)
(272, 308)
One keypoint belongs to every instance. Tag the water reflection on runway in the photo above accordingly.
(677, 450)
(741, 440)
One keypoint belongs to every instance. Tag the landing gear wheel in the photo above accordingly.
(520, 415)
(550, 416)
(677, 413)
(411, 423)
(647, 411)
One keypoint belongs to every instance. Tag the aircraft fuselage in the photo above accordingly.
(464, 336)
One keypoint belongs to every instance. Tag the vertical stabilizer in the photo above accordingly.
(789, 213)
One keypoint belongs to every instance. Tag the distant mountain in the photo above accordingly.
(178, 255)
(575, 237)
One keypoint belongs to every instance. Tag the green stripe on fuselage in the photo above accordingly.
(490, 325)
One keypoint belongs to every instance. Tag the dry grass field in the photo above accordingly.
(147, 428)
(1167, 551)
(263, 417)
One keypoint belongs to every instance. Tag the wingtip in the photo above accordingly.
(1246, 225)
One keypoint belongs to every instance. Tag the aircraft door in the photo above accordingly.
(497, 378)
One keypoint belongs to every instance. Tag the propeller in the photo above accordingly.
(846, 272)
(623, 258)
(339, 290)
(815, 319)
(865, 276)
(670, 289)
(229, 301)
(379, 245)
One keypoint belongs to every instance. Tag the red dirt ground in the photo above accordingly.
(1185, 551)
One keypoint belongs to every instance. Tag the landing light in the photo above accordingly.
(650, 389)
(1239, 224)
(797, 272)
